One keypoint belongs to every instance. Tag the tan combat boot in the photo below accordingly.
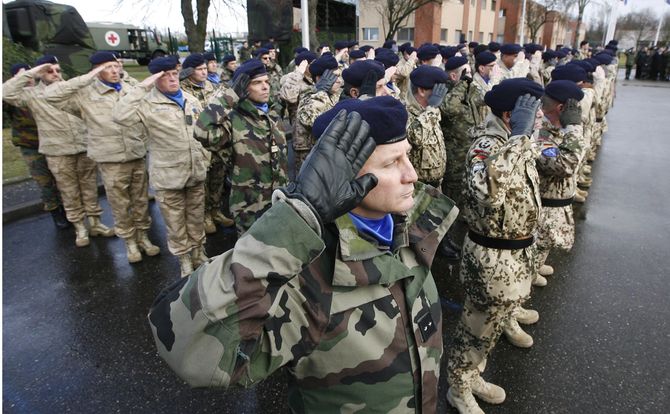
(539, 281)
(99, 229)
(515, 335)
(221, 218)
(81, 234)
(526, 316)
(546, 270)
(584, 182)
(210, 227)
(132, 251)
(145, 244)
(198, 256)
(185, 264)
(464, 401)
(488, 392)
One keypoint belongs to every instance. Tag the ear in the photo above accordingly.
(354, 92)
(506, 116)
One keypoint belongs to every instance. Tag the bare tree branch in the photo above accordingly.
(396, 12)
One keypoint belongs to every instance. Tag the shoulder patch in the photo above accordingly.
(550, 152)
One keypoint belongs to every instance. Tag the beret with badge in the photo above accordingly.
(503, 96)
(163, 64)
(356, 72)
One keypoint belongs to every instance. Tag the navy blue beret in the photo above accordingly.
(427, 52)
(357, 54)
(261, 51)
(548, 55)
(484, 58)
(193, 60)
(562, 90)
(510, 49)
(594, 62)
(560, 54)
(566, 50)
(227, 59)
(603, 58)
(575, 51)
(386, 116)
(531, 48)
(587, 66)
(479, 49)
(47, 59)
(322, 45)
(365, 48)
(17, 67)
(572, 73)
(448, 52)
(403, 47)
(455, 62)
(473, 44)
(252, 67)
(164, 63)
(409, 50)
(210, 56)
(323, 63)
(504, 95)
(386, 57)
(388, 44)
(353, 43)
(299, 49)
(460, 46)
(614, 42)
(426, 76)
(102, 57)
(355, 73)
(269, 46)
(306, 55)
(342, 44)
(494, 46)
(610, 50)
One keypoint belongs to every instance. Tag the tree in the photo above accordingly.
(539, 13)
(642, 24)
(396, 12)
(581, 5)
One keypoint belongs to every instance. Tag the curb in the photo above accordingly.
(30, 208)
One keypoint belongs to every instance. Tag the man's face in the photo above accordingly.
(212, 66)
(53, 74)
(273, 55)
(169, 82)
(396, 177)
(381, 88)
(199, 73)
(337, 86)
(265, 59)
(485, 70)
(231, 66)
(508, 60)
(259, 89)
(112, 72)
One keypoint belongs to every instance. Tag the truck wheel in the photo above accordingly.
(143, 61)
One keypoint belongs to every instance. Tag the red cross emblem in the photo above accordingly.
(112, 38)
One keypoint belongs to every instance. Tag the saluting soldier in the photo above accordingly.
(296, 83)
(512, 62)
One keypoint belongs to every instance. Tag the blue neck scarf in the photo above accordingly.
(214, 78)
(177, 97)
(381, 229)
(263, 107)
(115, 85)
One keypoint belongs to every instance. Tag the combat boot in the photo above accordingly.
(132, 251)
(546, 270)
(81, 233)
(99, 229)
(515, 335)
(210, 227)
(221, 218)
(539, 281)
(488, 392)
(526, 316)
(185, 264)
(145, 244)
(59, 218)
(198, 256)
(464, 402)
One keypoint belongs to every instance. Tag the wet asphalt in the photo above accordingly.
(75, 336)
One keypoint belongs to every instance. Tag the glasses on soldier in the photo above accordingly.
(53, 71)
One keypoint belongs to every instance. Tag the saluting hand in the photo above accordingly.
(151, 79)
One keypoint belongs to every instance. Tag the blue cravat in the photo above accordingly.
(214, 78)
(263, 107)
(381, 229)
(177, 97)
(115, 85)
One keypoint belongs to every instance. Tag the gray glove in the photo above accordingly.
(440, 91)
(327, 179)
(522, 120)
(571, 113)
(240, 85)
(185, 73)
(326, 81)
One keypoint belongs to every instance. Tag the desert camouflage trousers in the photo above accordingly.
(39, 170)
(76, 178)
(127, 186)
(183, 212)
(496, 282)
(556, 228)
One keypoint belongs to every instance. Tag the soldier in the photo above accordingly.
(195, 83)
(429, 54)
(365, 79)
(26, 138)
(345, 301)
(471, 54)
(296, 51)
(494, 47)
(389, 59)
(275, 71)
(229, 64)
(584, 50)
(342, 53)
(485, 70)
(549, 59)
(244, 52)
(62, 140)
(558, 162)
(313, 102)
(249, 141)
(513, 63)
(178, 163)
(119, 151)
(404, 67)
(502, 208)
(356, 55)
(213, 70)
(295, 83)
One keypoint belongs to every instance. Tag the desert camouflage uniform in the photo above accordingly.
(546, 73)
(253, 149)
(427, 155)
(293, 85)
(560, 155)
(403, 69)
(502, 201)
(588, 106)
(357, 325)
(226, 75)
(519, 70)
(125, 77)
(312, 103)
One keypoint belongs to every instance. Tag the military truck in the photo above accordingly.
(131, 42)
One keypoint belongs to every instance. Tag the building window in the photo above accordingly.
(481, 37)
(502, 13)
(457, 36)
(406, 34)
(469, 35)
(490, 37)
(444, 35)
(371, 33)
(493, 5)
(483, 4)
(501, 38)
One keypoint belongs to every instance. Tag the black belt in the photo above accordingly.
(506, 244)
(552, 202)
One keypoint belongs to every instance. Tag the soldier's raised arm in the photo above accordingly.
(562, 160)
(127, 110)
(59, 93)
(14, 89)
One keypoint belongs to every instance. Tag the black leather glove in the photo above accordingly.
(436, 98)
(326, 81)
(327, 179)
(571, 113)
(240, 85)
(522, 120)
(185, 73)
(369, 85)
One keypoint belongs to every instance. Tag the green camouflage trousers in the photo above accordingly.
(39, 170)
(183, 212)
(216, 177)
(76, 178)
(496, 282)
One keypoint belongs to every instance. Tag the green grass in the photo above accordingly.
(136, 71)
(13, 165)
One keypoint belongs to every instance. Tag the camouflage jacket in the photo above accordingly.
(403, 69)
(482, 88)
(176, 159)
(559, 158)
(428, 155)
(226, 75)
(546, 73)
(502, 194)
(201, 93)
(253, 148)
(125, 77)
(60, 133)
(460, 114)
(311, 105)
(274, 73)
(519, 70)
(357, 326)
(293, 85)
(588, 106)
(24, 128)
